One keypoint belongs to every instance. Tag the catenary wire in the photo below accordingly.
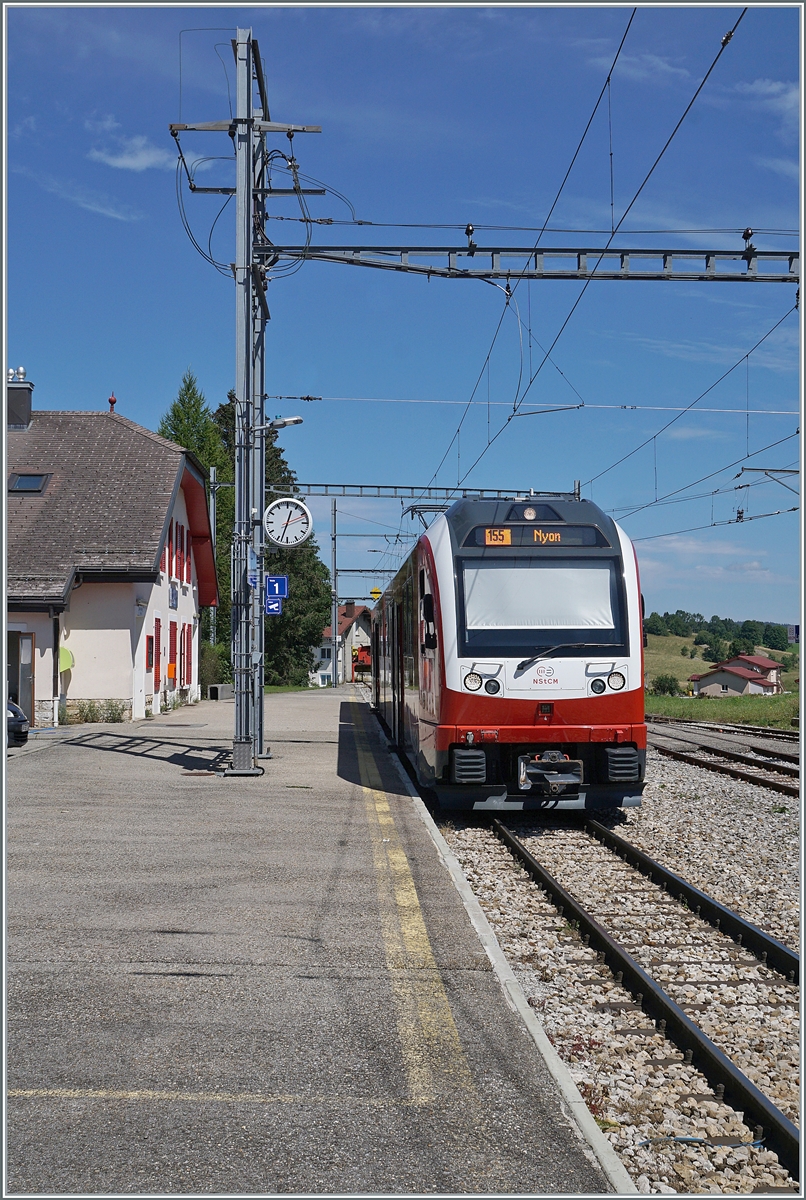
(713, 524)
(710, 475)
(725, 41)
(710, 388)
(537, 241)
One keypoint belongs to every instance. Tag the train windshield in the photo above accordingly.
(517, 606)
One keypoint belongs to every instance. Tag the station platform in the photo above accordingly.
(263, 985)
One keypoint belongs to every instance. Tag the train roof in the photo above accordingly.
(549, 508)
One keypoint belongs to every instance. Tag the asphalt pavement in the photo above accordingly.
(256, 985)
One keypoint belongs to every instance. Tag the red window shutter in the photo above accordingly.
(171, 549)
(189, 656)
(180, 553)
(162, 560)
(157, 654)
(188, 577)
(181, 671)
(172, 643)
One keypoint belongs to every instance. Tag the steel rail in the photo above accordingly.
(767, 731)
(777, 1131)
(784, 764)
(766, 948)
(775, 785)
(787, 763)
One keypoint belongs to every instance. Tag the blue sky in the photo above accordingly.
(438, 116)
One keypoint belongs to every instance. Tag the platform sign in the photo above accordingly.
(275, 585)
(273, 606)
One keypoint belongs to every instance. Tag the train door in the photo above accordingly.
(398, 693)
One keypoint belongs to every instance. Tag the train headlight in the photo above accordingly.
(473, 681)
(492, 686)
(598, 686)
(616, 681)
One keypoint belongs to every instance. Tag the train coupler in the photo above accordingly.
(552, 773)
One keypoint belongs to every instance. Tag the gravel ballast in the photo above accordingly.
(729, 839)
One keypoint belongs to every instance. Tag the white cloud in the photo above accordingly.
(102, 125)
(81, 196)
(24, 127)
(678, 433)
(775, 96)
(781, 166)
(134, 154)
(642, 67)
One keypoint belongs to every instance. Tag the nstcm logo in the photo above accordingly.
(546, 672)
(544, 677)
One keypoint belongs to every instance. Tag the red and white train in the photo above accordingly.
(507, 658)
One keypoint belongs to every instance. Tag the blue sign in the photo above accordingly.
(252, 572)
(273, 606)
(276, 585)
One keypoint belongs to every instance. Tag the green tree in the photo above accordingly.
(290, 638)
(656, 624)
(775, 637)
(742, 645)
(190, 423)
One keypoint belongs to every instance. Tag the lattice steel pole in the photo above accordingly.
(244, 667)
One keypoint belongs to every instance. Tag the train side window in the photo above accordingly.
(643, 618)
(430, 642)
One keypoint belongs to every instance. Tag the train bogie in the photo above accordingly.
(508, 658)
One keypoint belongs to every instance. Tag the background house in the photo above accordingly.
(353, 634)
(110, 558)
(742, 675)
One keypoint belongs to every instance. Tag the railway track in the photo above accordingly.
(719, 989)
(765, 768)
(770, 733)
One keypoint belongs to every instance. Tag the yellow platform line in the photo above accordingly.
(261, 1098)
(432, 1052)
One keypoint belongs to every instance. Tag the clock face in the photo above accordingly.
(288, 522)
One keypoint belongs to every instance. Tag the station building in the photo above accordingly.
(109, 561)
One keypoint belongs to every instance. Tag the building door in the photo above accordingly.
(20, 647)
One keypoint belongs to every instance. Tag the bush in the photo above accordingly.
(693, 652)
(113, 710)
(88, 711)
(214, 665)
(665, 685)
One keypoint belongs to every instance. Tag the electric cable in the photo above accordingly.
(710, 475)
(733, 521)
(518, 280)
(725, 42)
(710, 388)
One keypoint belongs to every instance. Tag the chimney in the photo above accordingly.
(18, 399)
(349, 609)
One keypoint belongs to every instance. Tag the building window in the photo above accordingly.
(149, 653)
(157, 654)
(31, 484)
(724, 687)
(327, 652)
(324, 680)
(172, 650)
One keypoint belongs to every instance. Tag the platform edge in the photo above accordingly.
(607, 1158)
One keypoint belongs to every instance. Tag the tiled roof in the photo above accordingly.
(106, 505)
(766, 664)
(742, 672)
(344, 621)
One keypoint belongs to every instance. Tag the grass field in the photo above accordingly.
(776, 711)
(662, 657)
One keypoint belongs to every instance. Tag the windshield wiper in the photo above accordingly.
(545, 651)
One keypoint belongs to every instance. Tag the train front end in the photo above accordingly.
(531, 658)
